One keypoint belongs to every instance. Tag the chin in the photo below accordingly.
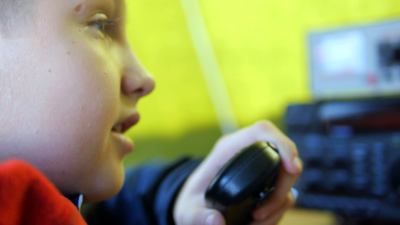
(105, 188)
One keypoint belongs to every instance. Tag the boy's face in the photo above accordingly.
(67, 80)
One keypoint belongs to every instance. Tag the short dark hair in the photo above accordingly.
(12, 12)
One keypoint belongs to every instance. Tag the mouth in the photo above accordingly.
(120, 127)
(125, 124)
(117, 128)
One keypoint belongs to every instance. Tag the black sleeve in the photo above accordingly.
(147, 196)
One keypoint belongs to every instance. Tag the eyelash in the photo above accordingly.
(103, 24)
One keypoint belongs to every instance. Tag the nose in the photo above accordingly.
(136, 81)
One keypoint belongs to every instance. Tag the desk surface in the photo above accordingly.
(307, 217)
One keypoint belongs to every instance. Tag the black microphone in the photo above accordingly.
(244, 182)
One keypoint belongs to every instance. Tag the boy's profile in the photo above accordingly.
(69, 85)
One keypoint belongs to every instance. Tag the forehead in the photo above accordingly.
(86, 7)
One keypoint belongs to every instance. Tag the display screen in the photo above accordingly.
(341, 55)
(353, 62)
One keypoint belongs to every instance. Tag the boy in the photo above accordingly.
(69, 84)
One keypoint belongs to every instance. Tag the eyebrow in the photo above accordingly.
(111, 6)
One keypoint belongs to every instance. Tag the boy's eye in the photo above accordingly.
(100, 25)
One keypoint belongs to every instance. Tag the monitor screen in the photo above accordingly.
(354, 62)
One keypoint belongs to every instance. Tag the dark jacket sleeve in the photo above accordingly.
(147, 196)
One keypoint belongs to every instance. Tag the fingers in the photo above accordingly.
(283, 186)
(262, 212)
(275, 216)
(266, 131)
(189, 206)
(261, 131)
(200, 216)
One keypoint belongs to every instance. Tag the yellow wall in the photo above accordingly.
(260, 46)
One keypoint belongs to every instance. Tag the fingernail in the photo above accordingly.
(297, 163)
(295, 193)
(210, 219)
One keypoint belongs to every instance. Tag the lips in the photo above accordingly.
(126, 144)
(118, 129)
(124, 125)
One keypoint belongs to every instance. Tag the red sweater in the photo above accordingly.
(28, 197)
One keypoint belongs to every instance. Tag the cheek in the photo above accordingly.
(74, 103)
(86, 97)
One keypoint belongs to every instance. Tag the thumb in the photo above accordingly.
(200, 216)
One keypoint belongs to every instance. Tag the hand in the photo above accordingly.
(190, 207)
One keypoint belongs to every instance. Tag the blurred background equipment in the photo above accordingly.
(349, 137)
(355, 62)
(260, 47)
